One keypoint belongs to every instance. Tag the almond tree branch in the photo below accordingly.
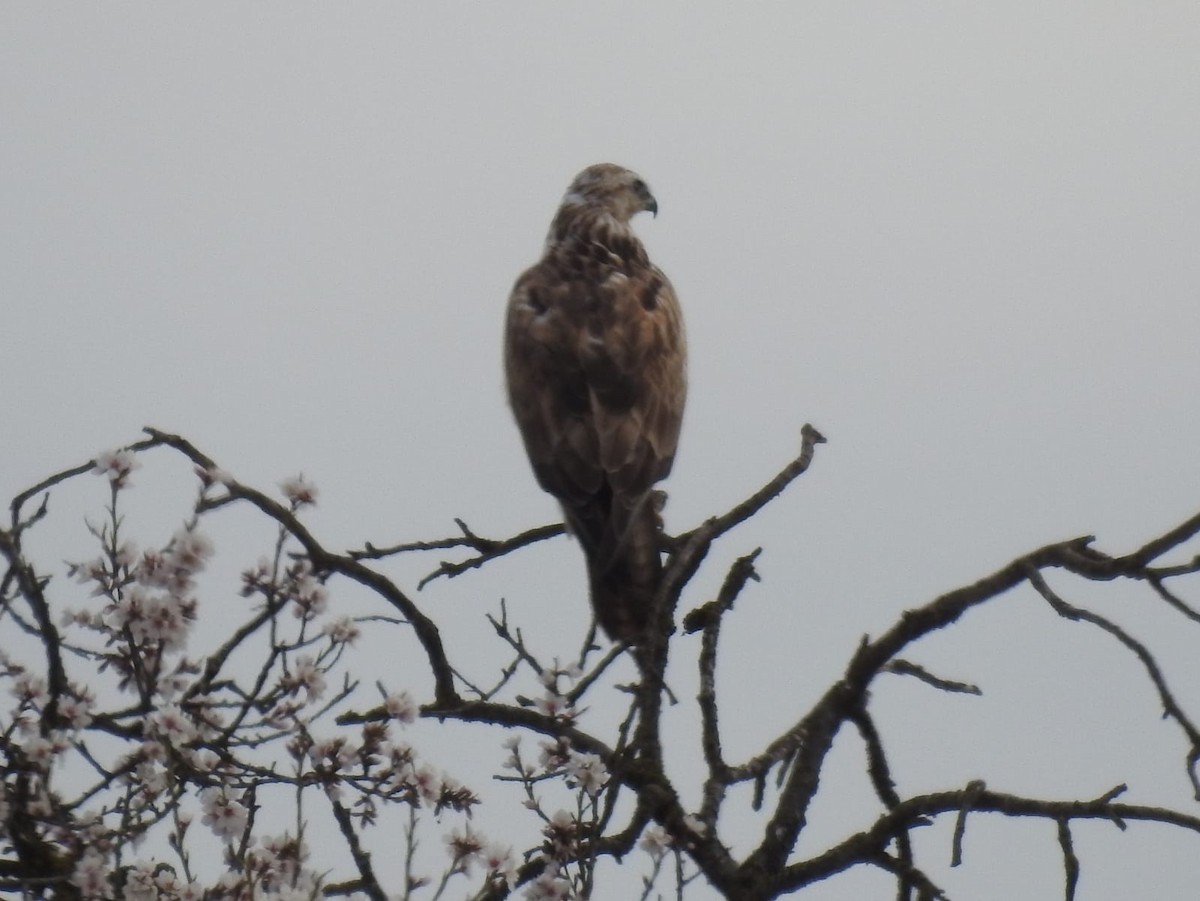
(1070, 861)
(864, 847)
(807, 743)
(362, 860)
(709, 618)
(487, 549)
(1171, 707)
(325, 561)
(885, 787)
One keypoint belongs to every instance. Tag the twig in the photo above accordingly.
(973, 790)
(864, 847)
(1171, 707)
(322, 560)
(362, 860)
(907, 668)
(487, 549)
(1070, 861)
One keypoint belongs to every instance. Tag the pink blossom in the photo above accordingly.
(151, 779)
(190, 550)
(166, 619)
(117, 465)
(465, 847)
(552, 704)
(127, 554)
(299, 491)
(401, 706)
(205, 760)
(306, 675)
(77, 707)
(172, 725)
(655, 841)
(91, 571)
(500, 862)
(214, 475)
(560, 833)
(310, 596)
(549, 677)
(30, 689)
(256, 579)
(39, 751)
(91, 875)
(342, 630)
(426, 781)
(587, 771)
(554, 754)
(225, 816)
(139, 884)
(334, 753)
(548, 887)
(152, 749)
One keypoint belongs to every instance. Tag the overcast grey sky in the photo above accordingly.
(960, 239)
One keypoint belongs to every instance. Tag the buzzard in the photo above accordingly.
(594, 356)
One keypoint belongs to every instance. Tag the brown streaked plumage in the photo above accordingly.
(594, 355)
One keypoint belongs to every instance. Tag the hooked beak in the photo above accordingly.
(649, 204)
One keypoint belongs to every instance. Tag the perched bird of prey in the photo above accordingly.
(594, 357)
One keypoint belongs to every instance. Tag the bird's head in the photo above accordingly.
(613, 189)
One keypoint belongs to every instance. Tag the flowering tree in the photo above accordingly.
(141, 759)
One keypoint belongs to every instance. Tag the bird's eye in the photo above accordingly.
(640, 186)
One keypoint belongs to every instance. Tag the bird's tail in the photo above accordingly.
(624, 566)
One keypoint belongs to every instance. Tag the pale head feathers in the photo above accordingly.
(598, 205)
(612, 189)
